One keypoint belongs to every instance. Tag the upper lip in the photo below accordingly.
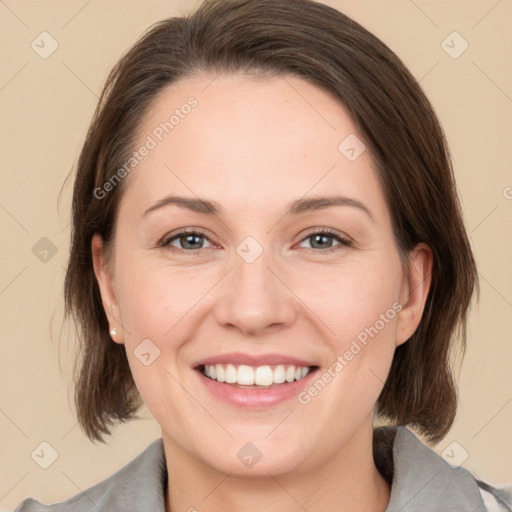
(252, 360)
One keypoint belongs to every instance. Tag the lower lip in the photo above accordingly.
(255, 398)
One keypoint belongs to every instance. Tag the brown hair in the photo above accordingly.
(321, 45)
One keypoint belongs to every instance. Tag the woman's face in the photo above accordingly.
(296, 267)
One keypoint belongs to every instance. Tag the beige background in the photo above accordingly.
(46, 107)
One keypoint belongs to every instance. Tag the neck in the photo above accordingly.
(348, 480)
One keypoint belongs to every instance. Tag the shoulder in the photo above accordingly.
(118, 491)
(423, 481)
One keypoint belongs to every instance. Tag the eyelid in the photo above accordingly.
(344, 240)
(164, 242)
(329, 231)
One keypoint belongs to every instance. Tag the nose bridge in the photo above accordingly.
(254, 298)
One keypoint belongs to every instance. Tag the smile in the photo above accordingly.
(257, 377)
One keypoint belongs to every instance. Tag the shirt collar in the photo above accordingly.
(423, 481)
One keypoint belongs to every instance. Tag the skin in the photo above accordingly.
(254, 146)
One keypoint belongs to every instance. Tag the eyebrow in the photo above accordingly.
(294, 208)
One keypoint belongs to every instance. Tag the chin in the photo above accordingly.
(257, 459)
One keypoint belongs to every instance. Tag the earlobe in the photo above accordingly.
(414, 293)
(106, 285)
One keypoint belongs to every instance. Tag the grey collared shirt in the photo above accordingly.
(421, 481)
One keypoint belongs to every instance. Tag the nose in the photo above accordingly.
(255, 298)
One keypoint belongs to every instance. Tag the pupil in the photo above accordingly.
(325, 238)
(189, 240)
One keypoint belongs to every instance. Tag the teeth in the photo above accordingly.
(279, 375)
(263, 376)
(260, 376)
(245, 375)
(221, 374)
(230, 374)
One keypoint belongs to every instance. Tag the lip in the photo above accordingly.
(253, 360)
(255, 398)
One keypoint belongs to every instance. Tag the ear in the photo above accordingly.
(414, 292)
(106, 284)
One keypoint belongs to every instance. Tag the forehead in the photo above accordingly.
(245, 138)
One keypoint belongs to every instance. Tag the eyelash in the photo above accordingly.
(343, 242)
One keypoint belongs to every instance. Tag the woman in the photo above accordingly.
(265, 336)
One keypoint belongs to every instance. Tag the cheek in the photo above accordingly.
(356, 302)
(353, 301)
(160, 312)
(157, 303)
(359, 312)
(162, 309)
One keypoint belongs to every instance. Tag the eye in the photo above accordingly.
(193, 240)
(322, 241)
(187, 241)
